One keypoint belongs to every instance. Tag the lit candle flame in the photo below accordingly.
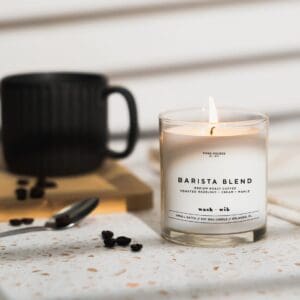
(213, 114)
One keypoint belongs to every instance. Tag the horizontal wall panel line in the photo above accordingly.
(204, 65)
(145, 10)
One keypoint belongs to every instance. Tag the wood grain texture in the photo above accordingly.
(118, 189)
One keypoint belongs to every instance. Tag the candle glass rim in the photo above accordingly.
(258, 117)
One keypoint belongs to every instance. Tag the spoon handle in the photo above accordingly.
(23, 230)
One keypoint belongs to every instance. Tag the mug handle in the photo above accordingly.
(133, 121)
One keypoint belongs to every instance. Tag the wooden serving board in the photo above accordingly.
(117, 188)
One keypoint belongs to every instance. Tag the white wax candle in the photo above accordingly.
(214, 180)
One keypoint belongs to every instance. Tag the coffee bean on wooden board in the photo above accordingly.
(21, 194)
(37, 192)
(123, 241)
(50, 184)
(22, 181)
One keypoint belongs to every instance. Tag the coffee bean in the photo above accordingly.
(50, 184)
(21, 194)
(62, 220)
(22, 181)
(36, 192)
(27, 221)
(15, 222)
(123, 241)
(107, 234)
(109, 243)
(43, 183)
(136, 247)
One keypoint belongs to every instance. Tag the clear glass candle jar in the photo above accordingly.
(213, 176)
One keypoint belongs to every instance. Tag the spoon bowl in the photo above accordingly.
(72, 214)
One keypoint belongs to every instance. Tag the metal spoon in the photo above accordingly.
(65, 218)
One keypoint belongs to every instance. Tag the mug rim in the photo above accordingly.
(45, 77)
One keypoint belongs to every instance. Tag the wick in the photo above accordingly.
(212, 130)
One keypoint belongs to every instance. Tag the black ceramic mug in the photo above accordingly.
(55, 124)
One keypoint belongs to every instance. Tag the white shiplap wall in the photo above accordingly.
(169, 53)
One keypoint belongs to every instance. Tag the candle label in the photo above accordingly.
(214, 185)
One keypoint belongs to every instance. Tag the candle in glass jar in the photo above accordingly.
(213, 176)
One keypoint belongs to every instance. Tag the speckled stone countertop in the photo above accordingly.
(74, 264)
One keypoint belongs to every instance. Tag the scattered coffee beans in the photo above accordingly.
(15, 222)
(22, 181)
(27, 221)
(107, 234)
(21, 194)
(62, 220)
(123, 241)
(18, 222)
(136, 247)
(36, 192)
(109, 243)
